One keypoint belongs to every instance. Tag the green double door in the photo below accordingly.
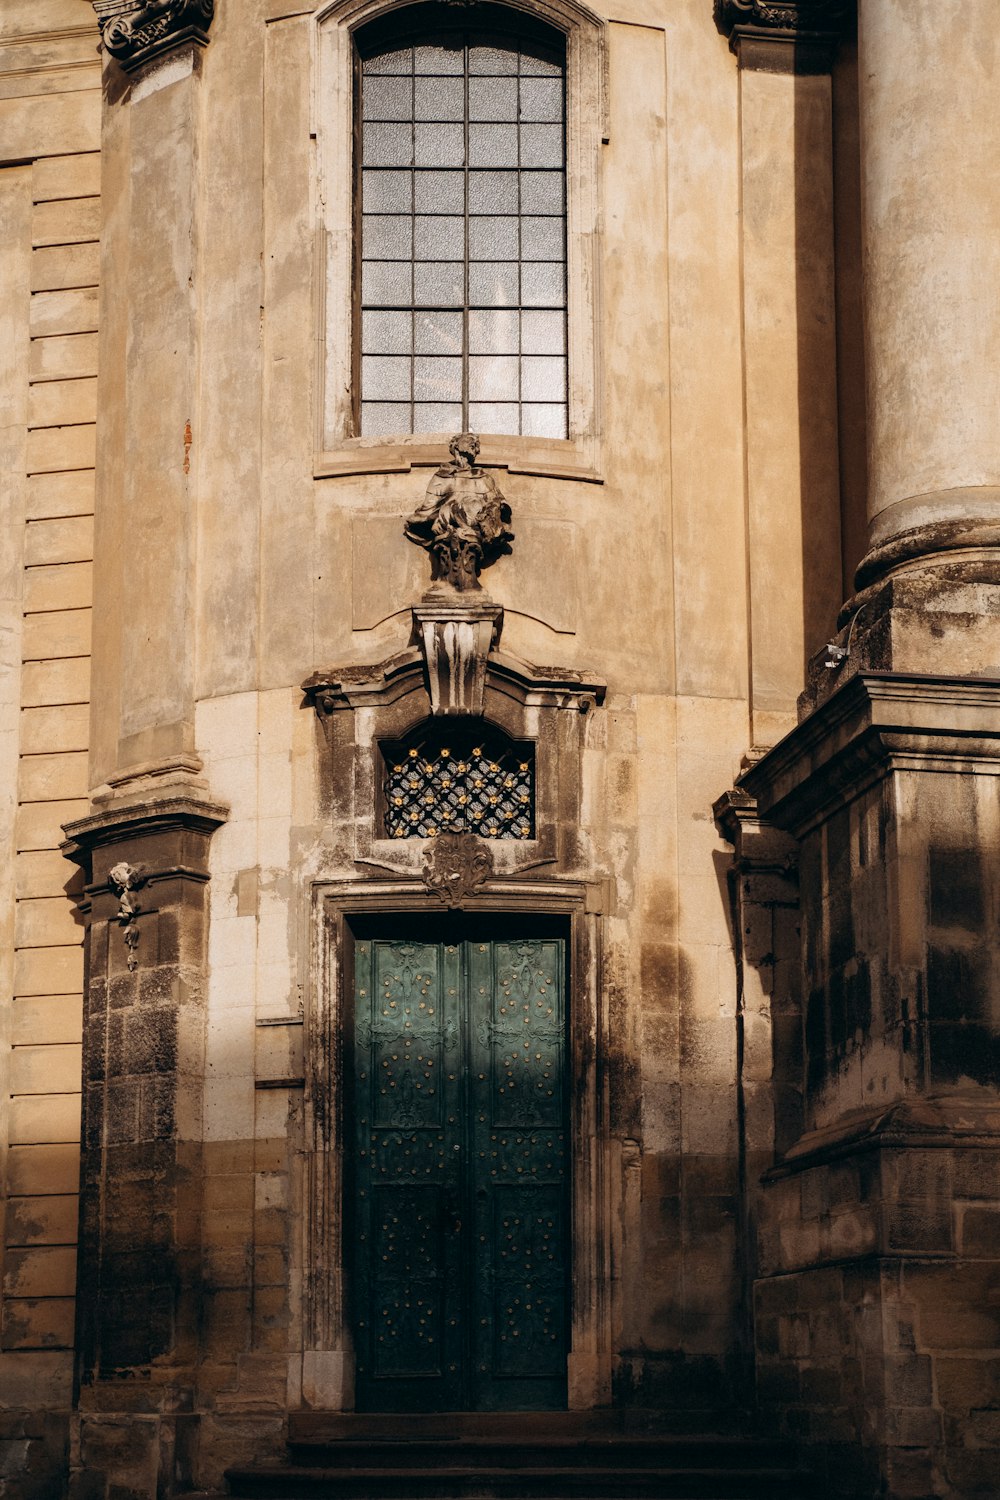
(460, 1265)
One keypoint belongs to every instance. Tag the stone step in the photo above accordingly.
(566, 1452)
(551, 1482)
(314, 1428)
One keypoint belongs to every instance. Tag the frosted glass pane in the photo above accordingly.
(543, 420)
(385, 378)
(398, 61)
(541, 99)
(437, 417)
(493, 377)
(438, 237)
(387, 192)
(542, 239)
(388, 145)
(437, 379)
(541, 192)
(439, 285)
(493, 331)
(492, 192)
(439, 99)
(493, 416)
(447, 57)
(440, 145)
(543, 284)
(386, 283)
(541, 65)
(386, 332)
(493, 284)
(541, 146)
(387, 237)
(437, 332)
(543, 333)
(493, 239)
(493, 59)
(495, 145)
(383, 418)
(543, 379)
(492, 99)
(387, 99)
(439, 192)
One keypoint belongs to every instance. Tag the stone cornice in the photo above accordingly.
(877, 724)
(136, 31)
(785, 36)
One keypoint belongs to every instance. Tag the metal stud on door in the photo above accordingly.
(461, 1233)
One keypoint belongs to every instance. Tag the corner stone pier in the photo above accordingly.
(878, 1288)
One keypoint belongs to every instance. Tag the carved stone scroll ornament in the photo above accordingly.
(456, 865)
(124, 879)
(463, 521)
(806, 31)
(135, 31)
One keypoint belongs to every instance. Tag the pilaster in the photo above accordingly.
(789, 352)
(145, 861)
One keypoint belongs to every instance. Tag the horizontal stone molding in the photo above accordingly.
(927, 1124)
(386, 682)
(879, 722)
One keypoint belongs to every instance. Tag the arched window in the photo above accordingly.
(460, 231)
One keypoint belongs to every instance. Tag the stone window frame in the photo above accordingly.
(338, 450)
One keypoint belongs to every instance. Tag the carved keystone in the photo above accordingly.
(457, 634)
(135, 31)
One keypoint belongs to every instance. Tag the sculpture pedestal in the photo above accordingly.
(456, 632)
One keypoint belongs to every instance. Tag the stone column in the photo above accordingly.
(930, 141)
(878, 1273)
(144, 845)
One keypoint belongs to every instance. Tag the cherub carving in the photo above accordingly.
(463, 521)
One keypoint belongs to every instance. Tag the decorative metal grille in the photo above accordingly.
(474, 781)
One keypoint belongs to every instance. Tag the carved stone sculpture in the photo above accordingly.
(125, 878)
(463, 521)
(455, 865)
(134, 31)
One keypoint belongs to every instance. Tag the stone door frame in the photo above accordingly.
(328, 1355)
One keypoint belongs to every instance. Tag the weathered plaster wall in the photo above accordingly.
(688, 569)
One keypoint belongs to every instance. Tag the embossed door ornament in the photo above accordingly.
(456, 865)
(124, 879)
(134, 31)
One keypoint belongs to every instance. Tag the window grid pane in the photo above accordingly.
(463, 261)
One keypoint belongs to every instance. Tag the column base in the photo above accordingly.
(924, 619)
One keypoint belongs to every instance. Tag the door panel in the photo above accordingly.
(461, 1233)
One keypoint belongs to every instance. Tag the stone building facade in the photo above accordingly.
(718, 727)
